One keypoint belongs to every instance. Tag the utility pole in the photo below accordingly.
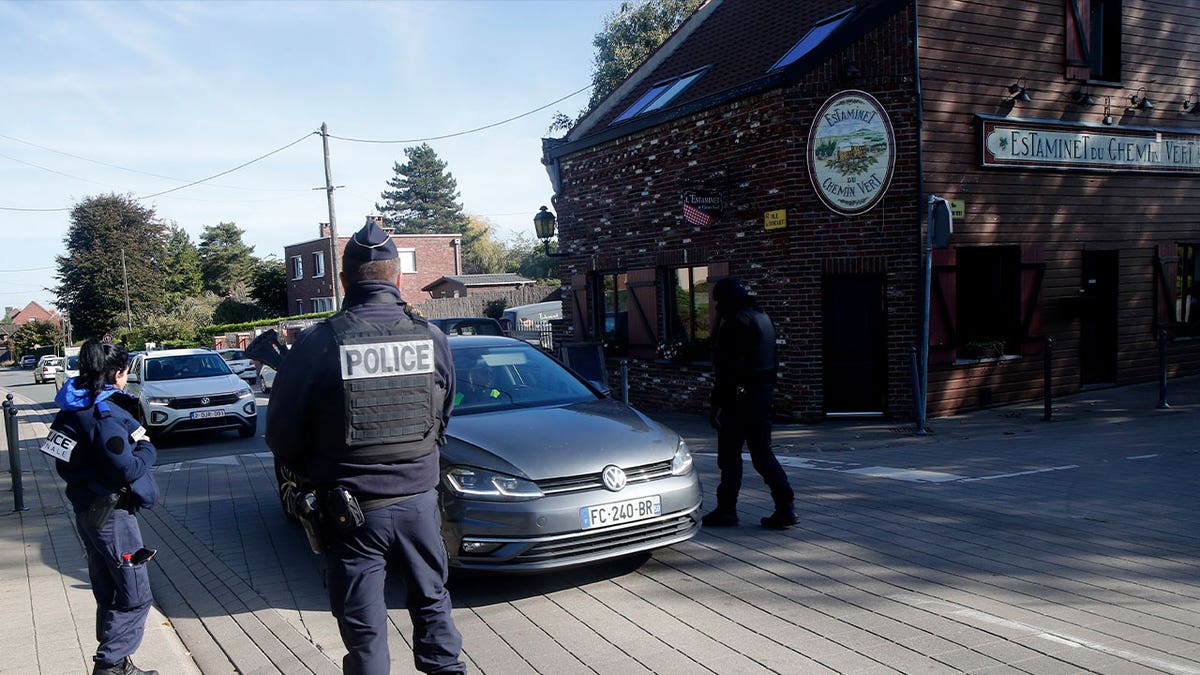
(334, 263)
(125, 275)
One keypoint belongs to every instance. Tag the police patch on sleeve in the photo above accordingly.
(386, 359)
(58, 445)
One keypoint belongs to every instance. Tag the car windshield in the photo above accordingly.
(72, 363)
(183, 367)
(512, 376)
(233, 355)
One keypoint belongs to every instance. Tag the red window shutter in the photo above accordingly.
(1077, 37)
(1165, 298)
(1033, 272)
(643, 313)
(716, 271)
(580, 317)
(943, 307)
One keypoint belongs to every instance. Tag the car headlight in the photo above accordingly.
(466, 481)
(681, 463)
(246, 393)
(158, 400)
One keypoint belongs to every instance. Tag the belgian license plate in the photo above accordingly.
(616, 513)
(207, 414)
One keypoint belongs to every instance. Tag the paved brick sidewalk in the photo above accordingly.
(998, 544)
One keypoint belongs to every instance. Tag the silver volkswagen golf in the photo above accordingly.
(543, 470)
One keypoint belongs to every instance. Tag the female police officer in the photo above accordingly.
(104, 457)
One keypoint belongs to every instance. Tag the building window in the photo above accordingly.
(297, 268)
(321, 304)
(299, 306)
(408, 261)
(989, 301)
(610, 307)
(318, 263)
(660, 95)
(1093, 39)
(815, 36)
(1187, 290)
(686, 310)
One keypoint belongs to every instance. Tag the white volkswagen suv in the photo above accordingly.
(190, 390)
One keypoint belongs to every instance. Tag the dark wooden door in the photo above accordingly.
(1098, 318)
(855, 344)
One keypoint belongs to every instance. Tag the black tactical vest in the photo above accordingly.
(392, 405)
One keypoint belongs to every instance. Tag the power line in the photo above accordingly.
(228, 171)
(28, 269)
(125, 168)
(468, 131)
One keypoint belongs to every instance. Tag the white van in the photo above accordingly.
(531, 323)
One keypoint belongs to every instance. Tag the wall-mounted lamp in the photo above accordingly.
(1108, 110)
(1017, 92)
(1083, 98)
(1140, 100)
(1192, 104)
(543, 225)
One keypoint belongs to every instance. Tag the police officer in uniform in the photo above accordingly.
(105, 458)
(744, 370)
(360, 407)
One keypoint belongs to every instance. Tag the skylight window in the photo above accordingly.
(659, 95)
(815, 36)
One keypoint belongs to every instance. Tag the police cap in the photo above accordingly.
(370, 243)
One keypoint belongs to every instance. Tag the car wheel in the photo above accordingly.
(288, 486)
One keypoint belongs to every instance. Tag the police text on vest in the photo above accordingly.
(387, 359)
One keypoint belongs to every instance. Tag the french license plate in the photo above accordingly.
(207, 414)
(616, 513)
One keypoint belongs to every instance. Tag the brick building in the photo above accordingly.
(424, 258)
(31, 312)
(461, 285)
(795, 145)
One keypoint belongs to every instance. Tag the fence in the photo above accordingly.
(477, 304)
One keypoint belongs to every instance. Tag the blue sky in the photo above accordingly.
(114, 92)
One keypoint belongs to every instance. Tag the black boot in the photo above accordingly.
(125, 667)
(720, 517)
(781, 519)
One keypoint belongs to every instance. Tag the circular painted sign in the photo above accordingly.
(851, 152)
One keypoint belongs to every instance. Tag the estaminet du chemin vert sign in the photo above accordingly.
(851, 152)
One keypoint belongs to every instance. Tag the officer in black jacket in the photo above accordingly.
(360, 407)
(744, 371)
(105, 457)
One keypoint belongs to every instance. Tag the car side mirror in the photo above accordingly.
(131, 377)
(603, 388)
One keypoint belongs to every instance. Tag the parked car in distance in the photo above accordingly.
(543, 471)
(69, 369)
(468, 325)
(181, 390)
(29, 360)
(46, 367)
(240, 364)
(531, 323)
(266, 378)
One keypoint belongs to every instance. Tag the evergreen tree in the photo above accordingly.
(631, 33)
(183, 277)
(91, 286)
(36, 334)
(225, 261)
(424, 195)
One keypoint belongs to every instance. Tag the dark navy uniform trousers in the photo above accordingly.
(408, 533)
(748, 422)
(122, 593)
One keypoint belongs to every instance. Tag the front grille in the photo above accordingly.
(226, 422)
(592, 481)
(194, 401)
(592, 543)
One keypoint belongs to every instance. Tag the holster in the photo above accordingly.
(102, 507)
(305, 508)
(343, 510)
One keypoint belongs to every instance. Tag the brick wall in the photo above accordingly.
(620, 208)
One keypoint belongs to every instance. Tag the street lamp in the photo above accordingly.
(543, 225)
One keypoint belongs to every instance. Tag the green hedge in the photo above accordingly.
(212, 331)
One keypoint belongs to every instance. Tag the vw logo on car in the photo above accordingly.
(614, 478)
